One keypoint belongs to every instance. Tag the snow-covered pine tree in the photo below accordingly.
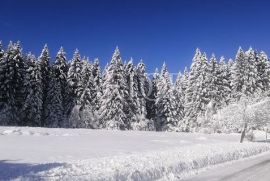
(5, 110)
(203, 82)
(179, 89)
(178, 82)
(44, 66)
(97, 75)
(141, 77)
(263, 70)
(238, 74)
(212, 81)
(113, 110)
(32, 107)
(223, 82)
(184, 81)
(184, 86)
(85, 89)
(73, 78)
(152, 96)
(1, 51)
(251, 74)
(230, 65)
(191, 90)
(142, 80)
(60, 70)
(3, 69)
(132, 83)
(12, 71)
(86, 92)
(167, 115)
(54, 104)
(196, 92)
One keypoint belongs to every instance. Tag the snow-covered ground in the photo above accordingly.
(83, 154)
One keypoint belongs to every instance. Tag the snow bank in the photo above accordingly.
(173, 164)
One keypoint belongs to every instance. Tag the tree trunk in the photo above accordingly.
(266, 134)
(245, 125)
(243, 133)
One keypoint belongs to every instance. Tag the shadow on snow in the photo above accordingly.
(10, 170)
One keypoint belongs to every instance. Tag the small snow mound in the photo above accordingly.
(12, 131)
(23, 132)
(27, 133)
(184, 141)
(202, 138)
(44, 134)
(66, 134)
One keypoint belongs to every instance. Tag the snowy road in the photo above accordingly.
(252, 169)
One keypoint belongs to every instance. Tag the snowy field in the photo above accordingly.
(83, 154)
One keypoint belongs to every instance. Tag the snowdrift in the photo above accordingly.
(171, 164)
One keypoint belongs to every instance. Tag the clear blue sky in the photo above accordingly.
(154, 30)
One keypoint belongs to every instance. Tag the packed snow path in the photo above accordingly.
(254, 168)
(83, 154)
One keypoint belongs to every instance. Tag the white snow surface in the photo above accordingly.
(83, 154)
(255, 168)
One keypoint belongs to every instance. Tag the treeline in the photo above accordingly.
(78, 94)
